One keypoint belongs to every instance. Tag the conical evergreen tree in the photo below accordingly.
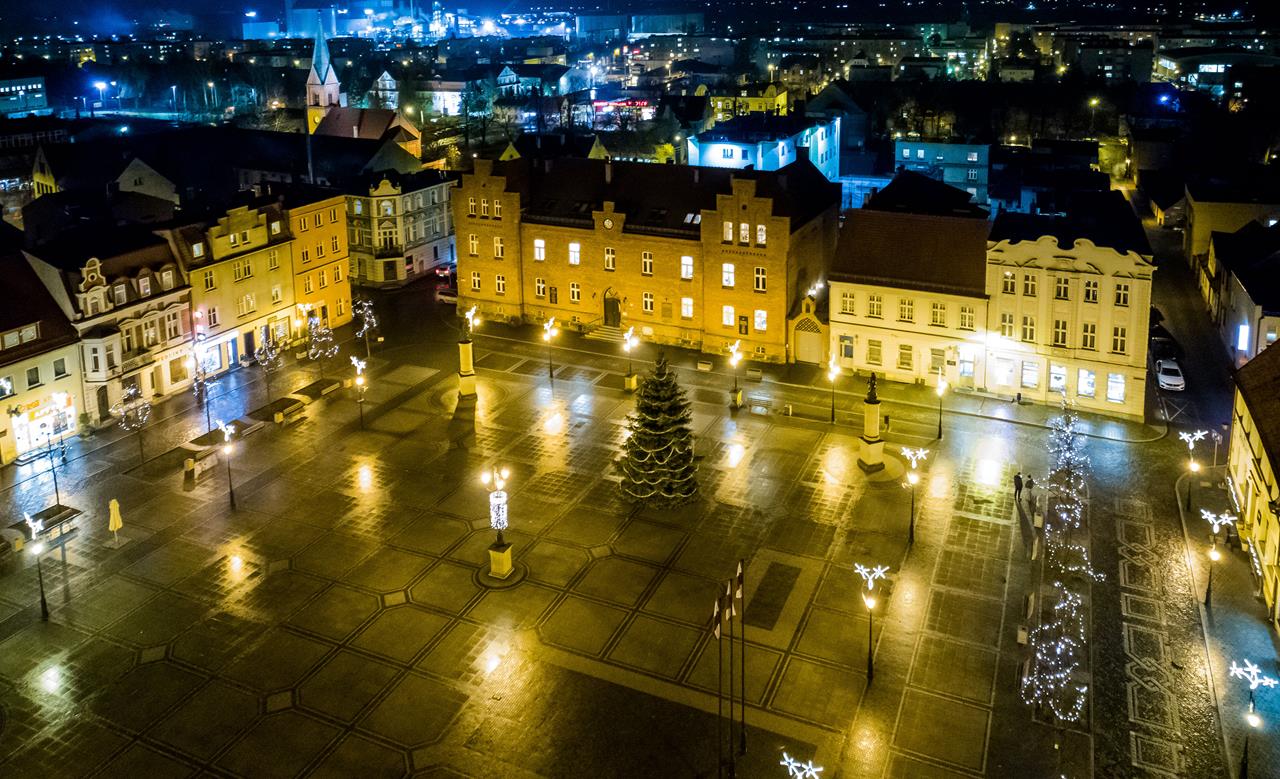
(657, 462)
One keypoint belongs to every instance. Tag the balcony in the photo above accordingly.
(137, 359)
(389, 250)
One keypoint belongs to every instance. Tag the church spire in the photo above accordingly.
(320, 63)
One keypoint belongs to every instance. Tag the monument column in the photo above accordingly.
(871, 447)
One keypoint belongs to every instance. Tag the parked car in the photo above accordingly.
(449, 296)
(1164, 348)
(1169, 375)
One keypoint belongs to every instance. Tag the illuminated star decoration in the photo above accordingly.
(869, 575)
(471, 319)
(798, 770)
(1217, 520)
(1251, 674)
(914, 455)
(359, 364)
(227, 430)
(34, 525)
(1191, 437)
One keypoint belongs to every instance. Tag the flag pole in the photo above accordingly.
(715, 621)
(728, 613)
(742, 677)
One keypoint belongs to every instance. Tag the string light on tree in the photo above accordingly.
(362, 309)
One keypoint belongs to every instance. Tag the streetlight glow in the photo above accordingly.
(549, 331)
(833, 373)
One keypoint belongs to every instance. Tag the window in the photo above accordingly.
(761, 235)
(727, 316)
(539, 249)
(342, 306)
(540, 287)
(846, 347)
(273, 259)
(1115, 387)
(324, 279)
(497, 208)
(1008, 285)
(1029, 328)
(473, 244)
(144, 287)
(197, 249)
(728, 232)
(1028, 285)
(1057, 378)
(966, 317)
(475, 281)
(873, 352)
(1119, 340)
(575, 253)
(875, 306)
(242, 269)
(919, 154)
(1006, 325)
(500, 284)
(610, 258)
(333, 215)
(334, 245)
(686, 308)
(471, 206)
(1030, 374)
(646, 263)
(337, 273)
(744, 233)
(499, 251)
(726, 274)
(275, 295)
(208, 279)
(1091, 291)
(937, 359)
(307, 285)
(172, 326)
(1060, 332)
(847, 303)
(166, 279)
(686, 267)
(484, 207)
(575, 292)
(761, 320)
(646, 302)
(938, 314)
(213, 316)
(246, 304)
(554, 295)
(971, 174)
(33, 377)
(1085, 383)
(971, 156)
(1089, 336)
(906, 154)
(1061, 288)
(726, 154)
(316, 221)
(1122, 294)
(359, 206)
(1004, 371)
(275, 227)
(905, 358)
(122, 295)
(306, 255)
(906, 310)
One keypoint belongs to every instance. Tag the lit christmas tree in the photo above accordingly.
(320, 344)
(657, 462)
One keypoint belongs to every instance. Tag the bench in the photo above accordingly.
(704, 366)
(755, 374)
(292, 416)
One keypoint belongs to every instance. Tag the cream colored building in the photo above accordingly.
(1251, 471)
(400, 227)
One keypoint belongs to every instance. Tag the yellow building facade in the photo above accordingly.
(321, 286)
(737, 101)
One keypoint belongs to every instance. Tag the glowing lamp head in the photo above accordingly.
(1093, 102)
(869, 599)
(99, 85)
(360, 381)
(1253, 719)
(913, 478)
(226, 448)
(37, 548)
(1195, 467)
(1214, 554)
(942, 386)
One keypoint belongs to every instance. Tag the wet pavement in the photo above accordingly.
(337, 621)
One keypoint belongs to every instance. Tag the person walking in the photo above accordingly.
(1031, 493)
(1017, 486)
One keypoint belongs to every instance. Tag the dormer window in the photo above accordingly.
(275, 227)
(197, 249)
(121, 295)
(166, 279)
(232, 239)
(144, 287)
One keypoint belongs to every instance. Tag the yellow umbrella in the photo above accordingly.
(115, 523)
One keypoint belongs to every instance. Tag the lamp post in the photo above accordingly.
(466, 355)
(833, 373)
(1190, 438)
(101, 86)
(360, 386)
(735, 357)
(629, 342)
(1255, 678)
(549, 331)
(1254, 721)
(1093, 111)
(1214, 556)
(200, 387)
(37, 549)
(869, 576)
(941, 389)
(53, 468)
(227, 432)
(495, 479)
(913, 478)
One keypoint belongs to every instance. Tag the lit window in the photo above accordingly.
(473, 244)
(1115, 387)
(761, 320)
(744, 233)
(539, 249)
(197, 250)
(497, 208)
(610, 258)
(906, 310)
(728, 232)
(727, 316)
(1057, 378)
(1122, 294)
(1242, 338)
(500, 284)
(646, 263)
(540, 287)
(938, 314)
(575, 253)
(686, 308)
(761, 281)
(686, 267)
(726, 274)
(1085, 380)
(575, 292)
(761, 234)
(966, 317)
(475, 281)
(1091, 291)
(1030, 375)
(875, 306)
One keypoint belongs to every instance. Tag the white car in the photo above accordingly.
(1169, 376)
(449, 296)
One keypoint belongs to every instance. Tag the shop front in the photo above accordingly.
(38, 422)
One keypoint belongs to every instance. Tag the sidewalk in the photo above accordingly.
(1236, 626)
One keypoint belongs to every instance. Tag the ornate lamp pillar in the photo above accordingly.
(466, 357)
(500, 566)
(871, 445)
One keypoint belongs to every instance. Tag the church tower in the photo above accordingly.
(323, 90)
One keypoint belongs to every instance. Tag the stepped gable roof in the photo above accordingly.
(1259, 383)
(1104, 218)
(659, 197)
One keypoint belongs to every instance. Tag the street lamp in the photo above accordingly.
(37, 549)
(101, 86)
(200, 388)
(227, 432)
(913, 478)
(941, 389)
(833, 373)
(549, 331)
(1214, 556)
(360, 386)
(869, 577)
(629, 342)
(466, 355)
(1093, 111)
(173, 90)
(1254, 722)
(735, 357)
(495, 479)
(1190, 438)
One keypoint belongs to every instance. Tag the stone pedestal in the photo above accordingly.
(466, 369)
(735, 399)
(500, 566)
(871, 445)
(630, 381)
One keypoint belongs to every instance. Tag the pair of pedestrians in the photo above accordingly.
(1018, 484)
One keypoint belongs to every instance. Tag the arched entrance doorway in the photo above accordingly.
(612, 309)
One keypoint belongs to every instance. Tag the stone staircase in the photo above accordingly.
(606, 333)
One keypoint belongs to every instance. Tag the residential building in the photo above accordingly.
(767, 142)
(40, 389)
(241, 267)
(837, 101)
(908, 296)
(698, 257)
(317, 219)
(1240, 288)
(1069, 306)
(23, 96)
(400, 226)
(1251, 470)
(127, 297)
(1224, 205)
(748, 99)
(1208, 69)
(964, 166)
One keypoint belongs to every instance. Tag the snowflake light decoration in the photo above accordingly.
(799, 770)
(870, 575)
(914, 455)
(1251, 674)
(1191, 438)
(1217, 520)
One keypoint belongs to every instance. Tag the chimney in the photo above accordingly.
(608, 172)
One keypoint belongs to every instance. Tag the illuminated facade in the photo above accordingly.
(401, 227)
(763, 142)
(321, 286)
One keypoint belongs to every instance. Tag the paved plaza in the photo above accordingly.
(338, 621)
